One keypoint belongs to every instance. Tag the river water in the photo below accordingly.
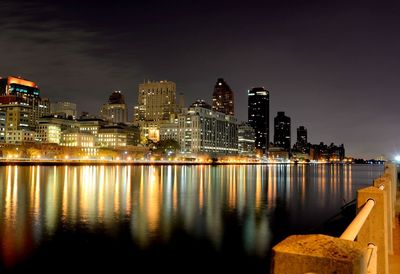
(174, 219)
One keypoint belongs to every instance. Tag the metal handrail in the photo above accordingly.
(354, 228)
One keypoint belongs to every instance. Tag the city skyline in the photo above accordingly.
(301, 55)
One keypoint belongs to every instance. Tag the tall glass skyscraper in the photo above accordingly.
(258, 116)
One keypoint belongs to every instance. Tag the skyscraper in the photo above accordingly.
(258, 116)
(157, 104)
(156, 101)
(302, 135)
(115, 109)
(282, 131)
(29, 91)
(223, 98)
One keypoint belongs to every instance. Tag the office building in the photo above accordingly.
(112, 136)
(48, 133)
(223, 100)
(202, 130)
(258, 116)
(19, 126)
(301, 145)
(75, 138)
(65, 109)
(20, 88)
(115, 110)
(246, 140)
(3, 124)
(156, 101)
(282, 131)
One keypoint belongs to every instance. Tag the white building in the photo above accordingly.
(74, 138)
(48, 133)
(203, 130)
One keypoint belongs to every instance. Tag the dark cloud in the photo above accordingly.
(331, 65)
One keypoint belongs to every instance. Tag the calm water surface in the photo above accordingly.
(178, 219)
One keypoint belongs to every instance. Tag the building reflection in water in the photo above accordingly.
(156, 201)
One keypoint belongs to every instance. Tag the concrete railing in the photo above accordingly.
(362, 248)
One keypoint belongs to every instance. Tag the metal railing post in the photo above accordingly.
(375, 228)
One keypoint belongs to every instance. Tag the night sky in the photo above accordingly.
(332, 66)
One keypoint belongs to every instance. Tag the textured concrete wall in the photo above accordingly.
(301, 254)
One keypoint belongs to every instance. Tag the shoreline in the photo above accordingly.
(142, 163)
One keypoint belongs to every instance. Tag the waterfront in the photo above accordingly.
(174, 218)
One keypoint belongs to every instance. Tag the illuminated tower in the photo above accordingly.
(223, 98)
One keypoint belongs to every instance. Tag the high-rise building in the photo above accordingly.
(156, 101)
(28, 91)
(302, 136)
(19, 123)
(301, 144)
(115, 110)
(157, 104)
(258, 116)
(66, 109)
(246, 139)
(282, 133)
(223, 100)
(3, 123)
(202, 130)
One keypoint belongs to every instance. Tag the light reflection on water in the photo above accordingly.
(264, 202)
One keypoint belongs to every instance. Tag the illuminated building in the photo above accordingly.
(156, 101)
(66, 109)
(48, 133)
(90, 125)
(19, 123)
(156, 104)
(258, 116)
(223, 100)
(202, 130)
(246, 139)
(3, 116)
(59, 120)
(75, 138)
(169, 130)
(282, 134)
(115, 110)
(18, 87)
(113, 136)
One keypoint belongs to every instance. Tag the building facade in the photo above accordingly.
(223, 99)
(3, 124)
(258, 116)
(156, 101)
(113, 136)
(66, 109)
(28, 91)
(202, 130)
(115, 110)
(246, 140)
(48, 133)
(19, 126)
(282, 133)
(75, 138)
